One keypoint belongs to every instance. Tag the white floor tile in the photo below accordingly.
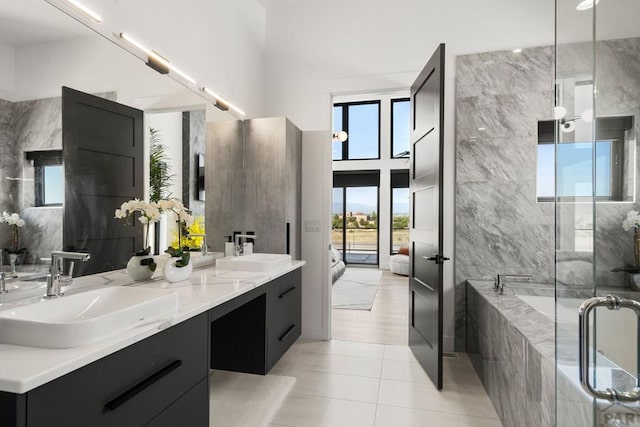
(309, 411)
(344, 348)
(338, 364)
(454, 399)
(361, 389)
(399, 352)
(389, 416)
(404, 371)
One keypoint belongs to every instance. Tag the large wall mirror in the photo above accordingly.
(43, 50)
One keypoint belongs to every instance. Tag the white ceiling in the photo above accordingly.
(24, 22)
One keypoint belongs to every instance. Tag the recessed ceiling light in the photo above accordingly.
(587, 4)
(518, 50)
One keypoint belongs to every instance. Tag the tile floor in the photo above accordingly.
(367, 376)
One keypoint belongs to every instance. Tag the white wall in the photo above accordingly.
(7, 72)
(316, 50)
(316, 209)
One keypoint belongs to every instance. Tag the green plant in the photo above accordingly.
(159, 169)
(184, 256)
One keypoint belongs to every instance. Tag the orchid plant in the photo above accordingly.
(632, 221)
(148, 213)
(15, 222)
(184, 220)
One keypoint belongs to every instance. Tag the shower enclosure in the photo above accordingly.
(593, 188)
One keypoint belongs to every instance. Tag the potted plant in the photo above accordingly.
(179, 267)
(141, 265)
(15, 252)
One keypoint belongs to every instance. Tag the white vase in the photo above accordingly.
(177, 274)
(136, 270)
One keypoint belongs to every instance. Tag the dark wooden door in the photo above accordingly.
(425, 277)
(102, 145)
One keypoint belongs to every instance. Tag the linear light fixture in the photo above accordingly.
(222, 103)
(84, 10)
(156, 60)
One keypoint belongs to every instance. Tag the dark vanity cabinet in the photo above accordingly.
(250, 333)
(154, 382)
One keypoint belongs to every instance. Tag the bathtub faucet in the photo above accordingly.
(502, 278)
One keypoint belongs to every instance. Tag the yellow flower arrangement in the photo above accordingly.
(191, 242)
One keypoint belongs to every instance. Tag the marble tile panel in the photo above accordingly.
(502, 116)
(495, 73)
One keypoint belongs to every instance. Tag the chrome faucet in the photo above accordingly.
(3, 285)
(239, 249)
(203, 247)
(55, 279)
(498, 284)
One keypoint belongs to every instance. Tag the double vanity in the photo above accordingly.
(107, 354)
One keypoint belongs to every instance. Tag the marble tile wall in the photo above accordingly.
(500, 228)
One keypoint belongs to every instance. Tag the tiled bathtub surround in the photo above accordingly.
(513, 348)
(500, 227)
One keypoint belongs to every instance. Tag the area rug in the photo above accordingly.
(356, 289)
(245, 400)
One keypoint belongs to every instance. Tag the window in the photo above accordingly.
(400, 127)
(399, 209)
(361, 121)
(567, 170)
(48, 177)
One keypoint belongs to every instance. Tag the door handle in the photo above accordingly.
(612, 302)
(439, 259)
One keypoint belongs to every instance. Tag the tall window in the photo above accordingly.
(400, 127)
(361, 121)
(399, 209)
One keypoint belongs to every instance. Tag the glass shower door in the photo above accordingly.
(597, 106)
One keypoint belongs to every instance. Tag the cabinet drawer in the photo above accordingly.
(191, 410)
(284, 316)
(127, 388)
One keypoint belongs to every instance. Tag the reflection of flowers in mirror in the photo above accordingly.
(15, 222)
(12, 219)
(176, 206)
(631, 221)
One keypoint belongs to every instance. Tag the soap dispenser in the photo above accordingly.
(229, 247)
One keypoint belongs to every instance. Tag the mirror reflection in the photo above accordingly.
(43, 50)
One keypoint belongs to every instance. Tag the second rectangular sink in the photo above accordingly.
(85, 317)
(254, 262)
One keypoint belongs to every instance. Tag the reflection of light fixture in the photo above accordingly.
(587, 115)
(518, 50)
(155, 60)
(222, 103)
(567, 126)
(559, 112)
(84, 10)
(587, 4)
(340, 136)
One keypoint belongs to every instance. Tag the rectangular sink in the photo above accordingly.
(84, 318)
(254, 262)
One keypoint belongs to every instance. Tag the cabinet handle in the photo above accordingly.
(142, 385)
(286, 292)
(284, 336)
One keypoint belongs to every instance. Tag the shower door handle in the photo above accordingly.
(612, 302)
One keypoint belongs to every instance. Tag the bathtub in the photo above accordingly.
(619, 343)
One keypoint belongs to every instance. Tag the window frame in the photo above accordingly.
(393, 101)
(40, 160)
(396, 184)
(345, 126)
(608, 129)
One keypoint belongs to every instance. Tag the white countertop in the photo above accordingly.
(25, 368)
